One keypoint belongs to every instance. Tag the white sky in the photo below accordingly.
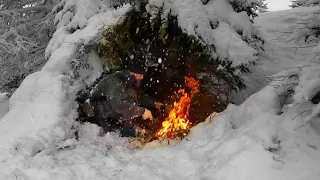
(275, 5)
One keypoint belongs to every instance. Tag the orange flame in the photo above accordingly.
(178, 119)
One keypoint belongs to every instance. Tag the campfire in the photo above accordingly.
(177, 123)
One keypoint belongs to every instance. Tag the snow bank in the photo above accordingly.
(37, 107)
(42, 110)
(300, 83)
(264, 146)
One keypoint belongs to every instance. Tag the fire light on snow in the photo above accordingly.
(177, 123)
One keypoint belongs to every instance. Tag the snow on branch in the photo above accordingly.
(42, 8)
(25, 25)
(223, 30)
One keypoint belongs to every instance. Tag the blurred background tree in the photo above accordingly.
(26, 27)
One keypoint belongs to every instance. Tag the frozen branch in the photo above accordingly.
(42, 8)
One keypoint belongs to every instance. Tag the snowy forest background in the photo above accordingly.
(47, 55)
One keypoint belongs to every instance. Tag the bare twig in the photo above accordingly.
(301, 113)
(300, 47)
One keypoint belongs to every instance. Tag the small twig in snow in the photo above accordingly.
(301, 113)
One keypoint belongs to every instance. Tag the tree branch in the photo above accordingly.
(46, 8)
(305, 46)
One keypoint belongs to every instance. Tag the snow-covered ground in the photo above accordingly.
(246, 142)
(4, 105)
(249, 141)
(278, 55)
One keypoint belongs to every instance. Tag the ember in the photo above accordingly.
(177, 123)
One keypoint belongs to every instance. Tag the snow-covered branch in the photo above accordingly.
(25, 25)
(42, 8)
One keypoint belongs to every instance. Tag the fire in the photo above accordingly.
(178, 120)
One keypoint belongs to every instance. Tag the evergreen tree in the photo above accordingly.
(263, 6)
(302, 83)
(295, 4)
(250, 7)
(299, 3)
(26, 28)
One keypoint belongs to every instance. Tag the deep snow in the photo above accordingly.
(249, 141)
(278, 55)
(246, 142)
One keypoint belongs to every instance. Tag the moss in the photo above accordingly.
(116, 45)
(163, 36)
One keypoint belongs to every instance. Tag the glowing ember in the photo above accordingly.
(177, 123)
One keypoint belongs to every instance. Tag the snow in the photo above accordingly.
(276, 5)
(262, 138)
(42, 110)
(191, 17)
(76, 13)
(262, 146)
(223, 10)
(279, 55)
(4, 105)
(30, 109)
(305, 84)
(230, 45)
(200, 20)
